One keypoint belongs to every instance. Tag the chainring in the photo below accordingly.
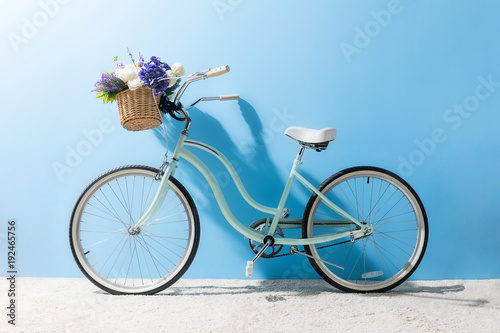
(255, 246)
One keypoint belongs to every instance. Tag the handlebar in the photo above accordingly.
(218, 71)
(174, 108)
(201, 76)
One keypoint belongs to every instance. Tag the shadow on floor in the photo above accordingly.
(316, 287)
(412, 287)
(438, 293)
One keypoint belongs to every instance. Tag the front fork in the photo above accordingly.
(158, 199)
(162, 191)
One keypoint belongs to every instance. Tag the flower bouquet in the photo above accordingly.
(138, 88)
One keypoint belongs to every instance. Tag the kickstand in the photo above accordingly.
(295, 250)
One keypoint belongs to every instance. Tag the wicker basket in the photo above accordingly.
(137, 109)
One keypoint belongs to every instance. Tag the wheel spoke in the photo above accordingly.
(378, 200)
(109, 213)
(126, 202)
(402, 196)
(160, 253)
(145, 246)
(110, 205)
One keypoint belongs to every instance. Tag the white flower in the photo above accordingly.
(178, 69)
(127, 73)
(134, 83)
(171, 75)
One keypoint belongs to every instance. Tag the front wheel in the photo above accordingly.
(369, 263)
(118, 260)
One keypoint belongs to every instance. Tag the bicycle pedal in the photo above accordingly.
(249, 268)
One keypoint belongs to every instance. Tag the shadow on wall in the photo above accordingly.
(251, 160)
(259, 174)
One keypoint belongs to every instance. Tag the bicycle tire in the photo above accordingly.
(147, 262)
(387, 257)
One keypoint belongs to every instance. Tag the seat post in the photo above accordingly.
(301, 152)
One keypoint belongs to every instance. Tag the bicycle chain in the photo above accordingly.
(319, 248)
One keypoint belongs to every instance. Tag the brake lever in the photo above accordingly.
(205, 99)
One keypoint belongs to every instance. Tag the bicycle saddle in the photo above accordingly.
(311, 138)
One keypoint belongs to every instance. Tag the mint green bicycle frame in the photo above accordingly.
(181, 152)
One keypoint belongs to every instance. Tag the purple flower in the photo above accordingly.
(154, 75)
(109, 83)
(141, 60)
(131, 56)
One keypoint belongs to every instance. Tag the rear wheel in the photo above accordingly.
(123, 262)
(381, 260)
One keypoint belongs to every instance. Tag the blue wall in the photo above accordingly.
(411, 86)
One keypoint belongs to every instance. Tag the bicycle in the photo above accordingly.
(135, 229)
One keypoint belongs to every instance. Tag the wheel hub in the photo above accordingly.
(133, 231)
(368, 228)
